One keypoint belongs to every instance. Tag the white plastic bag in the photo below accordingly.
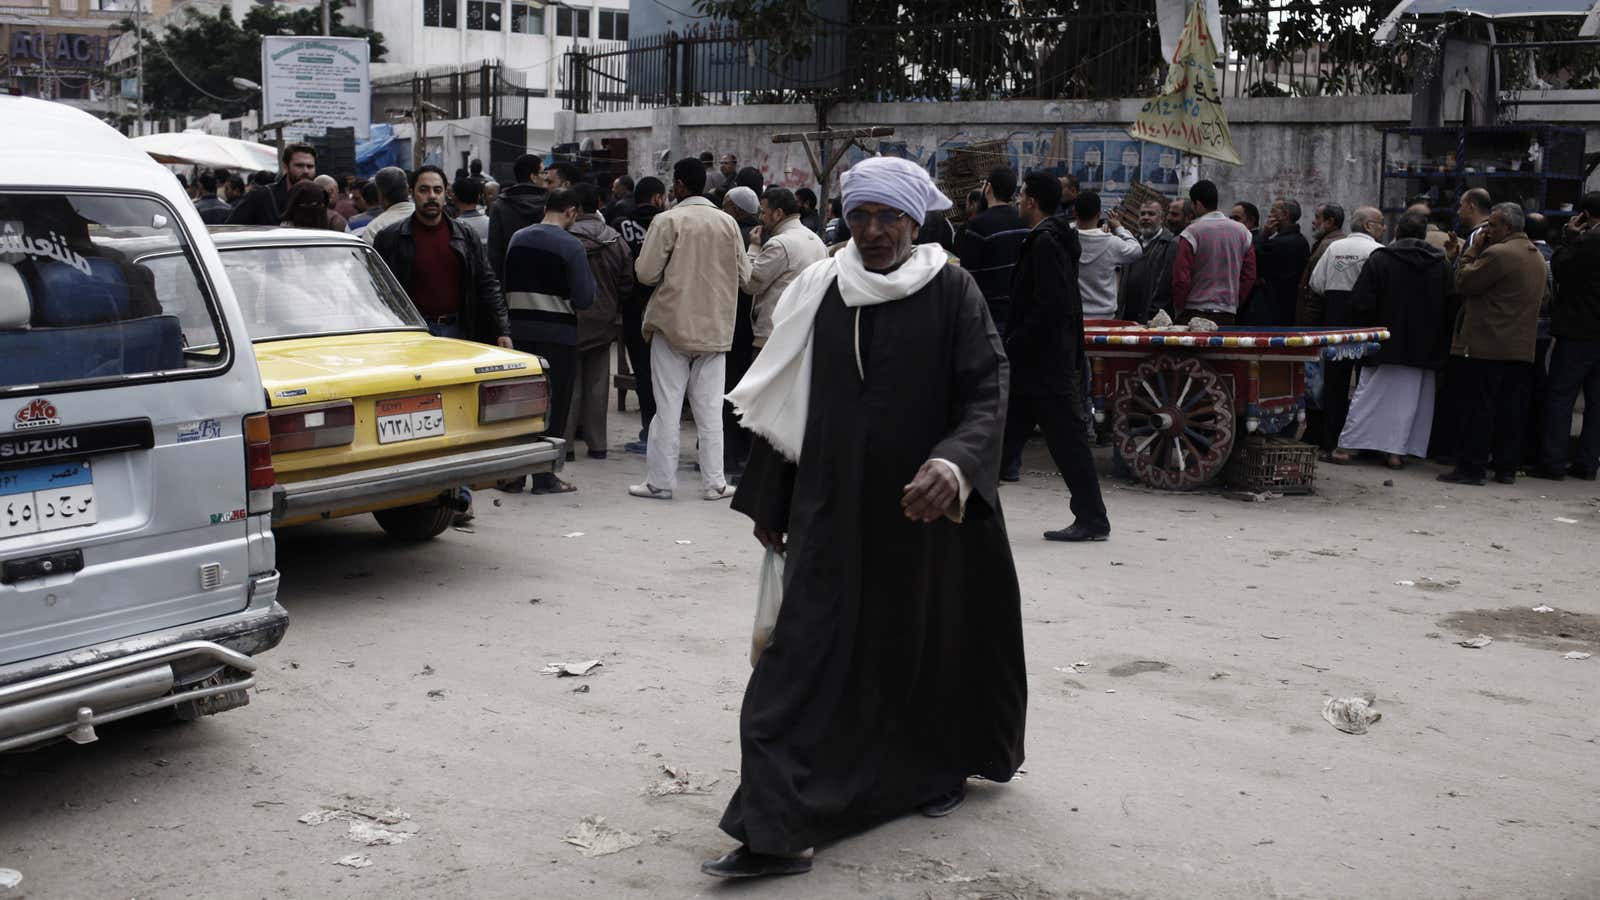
(768, 598)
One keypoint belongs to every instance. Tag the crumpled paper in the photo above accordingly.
(680, 781)
(1351, 715)
(593, 837)
(368, 825)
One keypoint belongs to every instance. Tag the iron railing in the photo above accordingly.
(1269, 48)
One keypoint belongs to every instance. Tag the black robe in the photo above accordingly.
(896, 668)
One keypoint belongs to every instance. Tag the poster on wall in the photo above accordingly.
(1108, 161)
(324, 80)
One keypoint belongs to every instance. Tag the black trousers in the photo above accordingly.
(1491, 409)
(736, 441)
(1066, 433)
(1336, 378)
(639, 361)
(563, 372)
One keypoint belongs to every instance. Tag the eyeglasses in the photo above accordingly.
(858, 218)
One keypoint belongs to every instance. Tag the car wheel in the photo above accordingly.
(418, 522)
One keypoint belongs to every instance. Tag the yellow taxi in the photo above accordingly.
(369, 413)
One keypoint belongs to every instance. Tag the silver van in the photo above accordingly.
(137, 568)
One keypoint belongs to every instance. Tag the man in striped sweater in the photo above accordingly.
(547, 281)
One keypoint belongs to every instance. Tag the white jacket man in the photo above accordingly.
(1104, 252)
(779, 250)
(1340, 266)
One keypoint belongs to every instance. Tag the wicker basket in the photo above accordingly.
(1272, 464)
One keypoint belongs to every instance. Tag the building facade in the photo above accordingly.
(60, 49)
(507, 53)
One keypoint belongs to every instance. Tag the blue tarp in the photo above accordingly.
(381, 149)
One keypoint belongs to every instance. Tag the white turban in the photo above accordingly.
(894, 182)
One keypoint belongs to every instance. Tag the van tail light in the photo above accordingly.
(513, 398)
(311, 427)
(259, 477)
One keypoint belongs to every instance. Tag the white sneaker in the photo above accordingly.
(721, 493)
(648, 492)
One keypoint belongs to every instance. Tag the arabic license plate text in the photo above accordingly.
(410, 418)
(46, 498)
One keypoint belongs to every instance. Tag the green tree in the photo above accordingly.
(190, 67)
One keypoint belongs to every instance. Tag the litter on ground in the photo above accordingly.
(564, 669)
(1351, 715)
(593, 837)
(1477, 643)
(354, 861)
(1577, 654)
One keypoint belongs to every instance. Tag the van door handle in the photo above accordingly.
(63, 562)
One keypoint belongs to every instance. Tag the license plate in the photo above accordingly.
(46, 498)
(410, 418)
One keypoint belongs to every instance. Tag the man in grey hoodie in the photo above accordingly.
(1106, 248)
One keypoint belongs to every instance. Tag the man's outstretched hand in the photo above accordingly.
(929, 496)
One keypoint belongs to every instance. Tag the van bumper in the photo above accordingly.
(369, 488)
(200, 669)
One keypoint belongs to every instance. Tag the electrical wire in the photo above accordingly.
(181, 74)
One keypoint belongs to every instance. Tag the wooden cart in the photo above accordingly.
(1179, 402)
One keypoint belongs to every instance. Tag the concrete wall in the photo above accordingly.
(1312, 149)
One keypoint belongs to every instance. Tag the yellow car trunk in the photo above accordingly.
(393, 365)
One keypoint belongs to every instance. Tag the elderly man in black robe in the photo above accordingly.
(895, 671)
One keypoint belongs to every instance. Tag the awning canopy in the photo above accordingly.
(209, 150)
(1588, 10)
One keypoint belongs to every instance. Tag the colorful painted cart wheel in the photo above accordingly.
(1173, 420)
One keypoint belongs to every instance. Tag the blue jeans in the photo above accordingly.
(1574, 366)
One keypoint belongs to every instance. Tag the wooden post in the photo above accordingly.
(824, 139)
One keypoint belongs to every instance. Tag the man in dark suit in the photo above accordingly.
(1093, 172)
(1127, 173)
(1166, 170)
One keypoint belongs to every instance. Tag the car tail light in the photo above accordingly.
(311, 427)
(259, 477)
(515, 398)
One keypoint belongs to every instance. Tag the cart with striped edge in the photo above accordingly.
(1179, 401)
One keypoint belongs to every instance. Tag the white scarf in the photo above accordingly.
(774, 397)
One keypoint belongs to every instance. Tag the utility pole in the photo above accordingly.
(327, 20)
(138, 31)
(419, 113)
(277, 129)
(824, 139)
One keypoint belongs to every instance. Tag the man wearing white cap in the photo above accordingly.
(895, 670)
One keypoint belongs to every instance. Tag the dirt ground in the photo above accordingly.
(1188, 758)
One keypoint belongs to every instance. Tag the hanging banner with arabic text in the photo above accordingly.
(1188, 115)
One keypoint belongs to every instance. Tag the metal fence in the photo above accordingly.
(1269, 48)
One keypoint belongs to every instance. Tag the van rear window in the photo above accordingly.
(77, 303)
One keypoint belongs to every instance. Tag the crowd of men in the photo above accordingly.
(884, 494)
(1494, 328)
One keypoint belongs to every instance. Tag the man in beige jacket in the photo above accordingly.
(779, 250)
(695, 258)
(1501, 279)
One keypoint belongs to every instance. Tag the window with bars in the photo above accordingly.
(613, 25)
(526, 18)
(484, 15)
(572, 22)
(439, 13)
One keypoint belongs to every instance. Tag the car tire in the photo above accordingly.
(418, 522)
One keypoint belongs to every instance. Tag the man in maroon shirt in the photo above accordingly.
(442, 265)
